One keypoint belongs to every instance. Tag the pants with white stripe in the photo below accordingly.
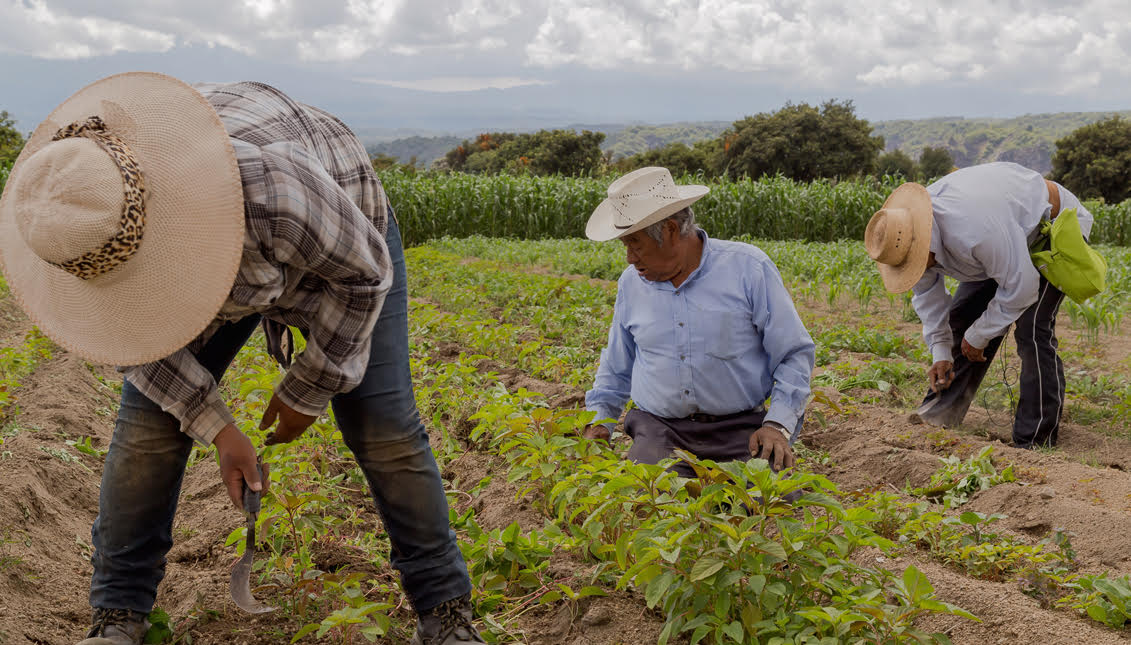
(1042, 373)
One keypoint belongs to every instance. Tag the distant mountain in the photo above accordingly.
(424, 150)
(640, 138)
(1029, 140)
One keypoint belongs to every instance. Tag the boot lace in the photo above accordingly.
(455, 620)
(105, 618)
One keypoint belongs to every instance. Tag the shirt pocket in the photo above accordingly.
(730, 334)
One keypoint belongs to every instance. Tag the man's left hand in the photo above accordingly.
(292, 423)
(973, 354)
(770, 444)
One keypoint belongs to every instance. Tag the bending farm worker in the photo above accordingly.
(703, 333)
(976, 225)
(151, 224)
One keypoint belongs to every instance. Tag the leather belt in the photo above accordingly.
(1054, 199)
(700, 417)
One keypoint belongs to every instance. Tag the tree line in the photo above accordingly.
(800, 141)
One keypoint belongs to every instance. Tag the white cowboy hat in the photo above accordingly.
(898, 237)
(122, 222)
(639, 199)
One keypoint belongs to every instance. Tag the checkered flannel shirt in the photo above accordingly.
(314, 256)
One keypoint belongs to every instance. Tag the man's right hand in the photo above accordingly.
(596, 432)
(940, 376)
(237, 463)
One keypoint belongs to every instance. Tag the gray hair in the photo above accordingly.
(684, 218)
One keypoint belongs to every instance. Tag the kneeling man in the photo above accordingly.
(703, 334)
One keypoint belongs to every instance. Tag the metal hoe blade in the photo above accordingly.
(240, 585)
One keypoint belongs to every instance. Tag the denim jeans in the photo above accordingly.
(144, 469)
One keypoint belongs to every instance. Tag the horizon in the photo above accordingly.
(452, 66)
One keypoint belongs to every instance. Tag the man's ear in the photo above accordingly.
(671, 231)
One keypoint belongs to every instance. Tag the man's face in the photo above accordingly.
(654, 262)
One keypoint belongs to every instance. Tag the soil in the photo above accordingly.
(49, 497)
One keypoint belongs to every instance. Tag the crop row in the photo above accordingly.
(433, 205)
(829, 271)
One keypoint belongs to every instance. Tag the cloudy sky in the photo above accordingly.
(458, 64)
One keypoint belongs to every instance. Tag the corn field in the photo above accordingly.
(433, 205)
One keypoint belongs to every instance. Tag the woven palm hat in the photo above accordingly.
(898, 236)
(639, 199)
(122, 222)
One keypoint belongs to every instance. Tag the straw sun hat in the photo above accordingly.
(637, 200)
(122, 222)
(898, 237)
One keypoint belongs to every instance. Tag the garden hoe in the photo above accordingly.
(240, 585)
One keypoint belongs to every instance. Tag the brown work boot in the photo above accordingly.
(116, 627)
(447, 624)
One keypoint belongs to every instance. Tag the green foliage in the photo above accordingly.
(897, 164)
(11, 143)
(957, 480)
(17, 362)
(160, 627)
(725, 557)
(636, 139)
(1095, 160)
(676, 157)
(934, 163)
(546, 152)
(1103, 599)
(801, 142)
(1028, 140)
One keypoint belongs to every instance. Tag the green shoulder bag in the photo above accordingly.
(1066, 260)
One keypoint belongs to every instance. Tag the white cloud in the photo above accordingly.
(30, 27)
(1033, 46)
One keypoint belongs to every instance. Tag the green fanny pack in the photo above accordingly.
(1066, 260)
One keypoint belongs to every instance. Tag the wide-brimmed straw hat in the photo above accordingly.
(898, 237)
(639, 199)
(122, 222)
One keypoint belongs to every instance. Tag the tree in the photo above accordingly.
(546, 152)
(935, 162)
(802, 142)
(1095, 160)
(676, 157)
(896, 163)
(11, 141)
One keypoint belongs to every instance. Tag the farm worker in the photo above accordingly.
(152, 225)
(703, 333)
(976, 225)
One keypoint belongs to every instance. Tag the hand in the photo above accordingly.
(972, 353)
(237, 463)
(291, 422)
(941, 375)
(769, 442)
(596, 432)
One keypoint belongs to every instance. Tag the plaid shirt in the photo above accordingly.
(314, 256)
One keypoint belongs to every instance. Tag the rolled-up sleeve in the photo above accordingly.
(317, 229)
(613, 384)
(185, 389)
(790, 351)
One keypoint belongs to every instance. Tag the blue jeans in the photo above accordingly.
(145, 465)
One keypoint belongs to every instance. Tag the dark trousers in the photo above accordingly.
(655, 438)
(1041, 401)
(145, 465)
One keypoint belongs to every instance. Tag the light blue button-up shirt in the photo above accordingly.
(724, 341)
(985, 218)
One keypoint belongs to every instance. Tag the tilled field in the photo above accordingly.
(482, 330)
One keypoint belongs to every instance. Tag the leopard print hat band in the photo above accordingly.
(124, 244)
